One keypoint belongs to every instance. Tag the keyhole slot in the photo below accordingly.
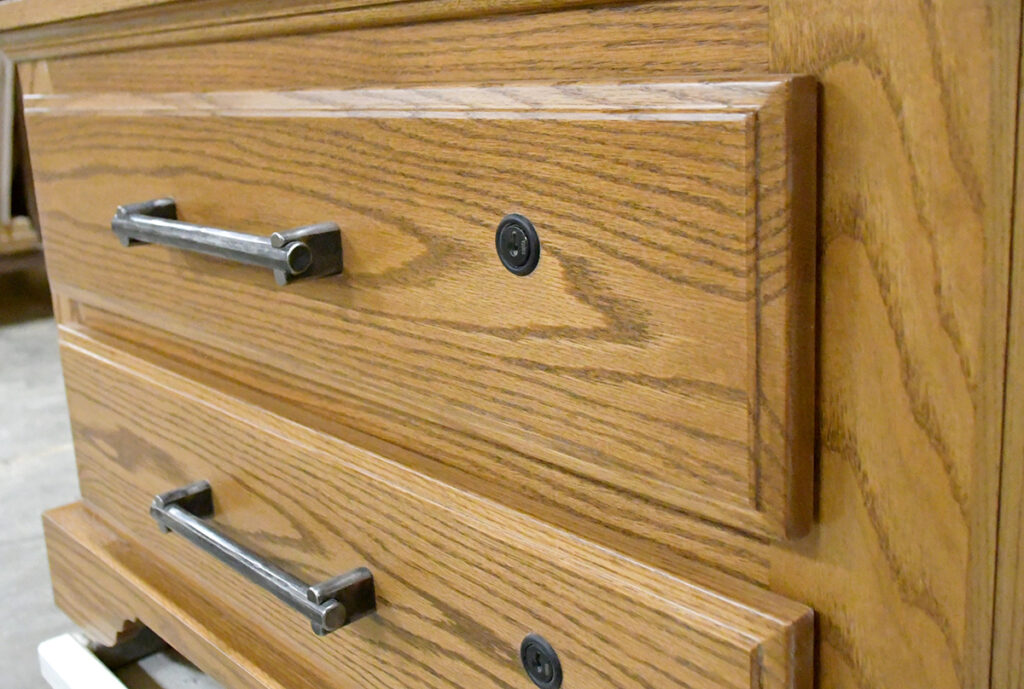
(517, 244)
(540, 662)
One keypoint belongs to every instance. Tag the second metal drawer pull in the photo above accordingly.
(310, 251)
(329, 605)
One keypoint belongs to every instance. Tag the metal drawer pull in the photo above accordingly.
(329, 605)
(310, 251)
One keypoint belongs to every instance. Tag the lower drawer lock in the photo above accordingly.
(540, 662)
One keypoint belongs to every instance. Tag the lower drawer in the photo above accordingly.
(459, 581)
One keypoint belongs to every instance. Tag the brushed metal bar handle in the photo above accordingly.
(329, 605)
(310, 251)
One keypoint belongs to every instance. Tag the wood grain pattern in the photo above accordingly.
(672, 299)
(692, 548)
(100, 580)
(915, 121)
(1008, 617)
(460, 581)
(637, 41)
(712, 100)
(730, 23)
(1008, 635)
(917, 132)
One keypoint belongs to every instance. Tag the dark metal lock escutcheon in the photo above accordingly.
(540, 662)
(518, 244)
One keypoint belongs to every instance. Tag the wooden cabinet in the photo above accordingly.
(742, 424)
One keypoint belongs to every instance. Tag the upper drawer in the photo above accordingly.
(661, 350)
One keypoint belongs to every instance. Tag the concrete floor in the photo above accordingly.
(37, 472)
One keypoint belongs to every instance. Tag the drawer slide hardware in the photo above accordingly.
(305, 252)
(329, 605)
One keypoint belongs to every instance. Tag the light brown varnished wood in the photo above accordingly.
(917, 117)
(1008, 635)
(717, 101)
(642, 41)
(100, 580)
(693, 548)
(915, 132)
(673, 298)
(16, 14)
(718, 27)
(1008, 617)
(459, 580)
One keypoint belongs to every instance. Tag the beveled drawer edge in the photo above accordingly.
(778, 630)
(707, 98)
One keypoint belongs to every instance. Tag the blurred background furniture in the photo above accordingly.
(20, 245)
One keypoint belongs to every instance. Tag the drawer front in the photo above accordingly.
(660, 351)
(459, 581)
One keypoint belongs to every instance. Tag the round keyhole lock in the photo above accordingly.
(517, 243)
(540, 662)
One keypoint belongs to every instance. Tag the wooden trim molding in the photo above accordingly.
(1008, 614)
(54, 32)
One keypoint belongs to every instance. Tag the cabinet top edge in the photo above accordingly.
(39, 29)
